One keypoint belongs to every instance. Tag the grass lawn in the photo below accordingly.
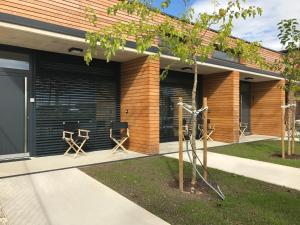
(147, 182)
(259, 150)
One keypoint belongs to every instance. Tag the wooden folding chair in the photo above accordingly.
(75, 137)
(210, 131)
(117, 128)
(243, 128)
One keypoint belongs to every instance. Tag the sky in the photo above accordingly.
(262, 28)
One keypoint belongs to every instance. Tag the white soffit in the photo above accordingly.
(26, 37)
(207, 68)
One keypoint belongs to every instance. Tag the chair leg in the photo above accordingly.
(115, 149)
(79, 149)
(71, 144)
(209, 138)
(66, 152)
(119, 145)
(123, 148)
(242, 132)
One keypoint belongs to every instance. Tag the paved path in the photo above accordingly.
(68, 197)
(267, 172)
(169, 147)
(56, 162)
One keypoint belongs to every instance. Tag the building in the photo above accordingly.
(45, 82)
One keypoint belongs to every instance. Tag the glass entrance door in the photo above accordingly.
(12, 113)
(245, 104)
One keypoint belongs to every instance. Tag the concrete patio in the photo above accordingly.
(57, 162)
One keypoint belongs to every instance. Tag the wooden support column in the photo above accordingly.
(222, 91)
(266, 114)
(140, 103)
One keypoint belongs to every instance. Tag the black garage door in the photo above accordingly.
(67, 90)
(176, 85)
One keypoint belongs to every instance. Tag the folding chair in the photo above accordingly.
(210, 131)
(75, 137)
(243, 128)
(119, 128)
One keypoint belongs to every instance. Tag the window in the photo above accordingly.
(219, 54)
(12, 60)
(225, 56)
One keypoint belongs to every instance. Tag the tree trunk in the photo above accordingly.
(295, 131)
(180, 138)
(293, 128)
(194, 127)
(205, 174)
(283, 129)
(289, 130)
(290, 121)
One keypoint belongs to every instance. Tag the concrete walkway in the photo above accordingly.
(68, 197)
(170, 147)
(267, 172)
(56, 162)
(256, 137)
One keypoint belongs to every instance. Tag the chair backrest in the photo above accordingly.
(118, 125)
(71, 126)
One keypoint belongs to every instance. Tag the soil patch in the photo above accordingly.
(200, 187)
(294, 156)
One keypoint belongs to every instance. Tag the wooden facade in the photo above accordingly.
(267, 99)
(222, 92)
(140, 81)
(71, 13)
(140, 103)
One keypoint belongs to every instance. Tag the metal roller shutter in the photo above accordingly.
(176, 85)
(67, 90)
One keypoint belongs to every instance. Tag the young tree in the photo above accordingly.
(289, 65)
(185, 38)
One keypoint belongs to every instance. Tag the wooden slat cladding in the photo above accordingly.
(267, 98)
(71, 13)
(222, 92)
(140, 99)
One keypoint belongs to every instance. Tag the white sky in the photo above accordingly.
(262, 28)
